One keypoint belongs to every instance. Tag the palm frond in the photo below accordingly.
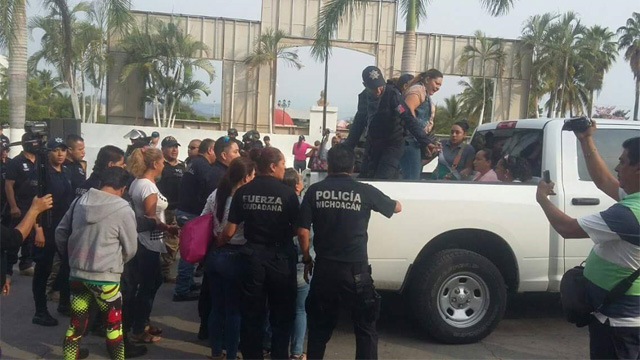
(331, 15)
(497, 7)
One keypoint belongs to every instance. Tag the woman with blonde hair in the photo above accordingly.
(142, 276)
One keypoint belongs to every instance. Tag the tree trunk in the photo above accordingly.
(590, 104)
(559, 109)
(484, 97)
(637, 104)
(17, 91)
(409, 41)
(274, 75)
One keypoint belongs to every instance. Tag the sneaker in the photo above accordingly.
(190, 296)
(133, 351)
(44, 319)
(27, 272)
(83, 353)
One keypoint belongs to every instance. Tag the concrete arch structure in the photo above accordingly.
(371, 30)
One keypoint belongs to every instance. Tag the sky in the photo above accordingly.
(459, 17)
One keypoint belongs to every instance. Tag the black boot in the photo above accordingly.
(43, 318)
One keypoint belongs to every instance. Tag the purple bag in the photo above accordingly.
(195, 237)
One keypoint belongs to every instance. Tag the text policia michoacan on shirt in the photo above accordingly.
(333, 199)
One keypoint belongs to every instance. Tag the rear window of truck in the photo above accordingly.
(523, 143)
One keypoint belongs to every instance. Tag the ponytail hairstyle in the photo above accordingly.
(300, 140)
(142, 159)
(424, 76)
(463, 125)
(238, 169)
(264, 158)
(106, 155)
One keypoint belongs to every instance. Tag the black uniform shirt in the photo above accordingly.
(23, 172)
(169, 184)
(59, 186)
(193, 186)
(93, 182)
(218, 170)
(76, 172)
(3, 177)
(268, 209)
(339, 209)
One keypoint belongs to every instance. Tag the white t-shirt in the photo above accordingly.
(212, 207)
(141, 189)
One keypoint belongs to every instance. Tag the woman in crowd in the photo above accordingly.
(108, 156)
(513, 169)
(293, 179)
(59, 186)
(418, 100)
(300, 153)
(482, 166)
(142, 276)
(268, 209)
(314, 161)
(455, 160)
(224, 263)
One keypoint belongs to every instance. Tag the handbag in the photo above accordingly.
(573, 295)
(195, 237)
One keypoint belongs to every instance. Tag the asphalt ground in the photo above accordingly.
(533, 328)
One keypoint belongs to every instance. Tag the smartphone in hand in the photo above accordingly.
(546, 176)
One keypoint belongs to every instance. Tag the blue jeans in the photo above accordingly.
(184, 279)
(224, 270)
(411, 161)
(300, 323)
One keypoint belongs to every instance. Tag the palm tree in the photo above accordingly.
(599, 51)
(474, 98)
(267, 51)
(13, 35)
(334, 12)
(535, 35)
(488, 51)
(165, 58)
(630, 40)
(448, 114)
(561, 48)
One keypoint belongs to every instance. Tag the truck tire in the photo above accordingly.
(458, 296)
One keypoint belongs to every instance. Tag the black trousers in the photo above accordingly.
(337, 285)
(43, 258)
(141, 280)
(382, 161)
(268, 273)
(608, 342)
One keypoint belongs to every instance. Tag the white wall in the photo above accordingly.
(99, 135)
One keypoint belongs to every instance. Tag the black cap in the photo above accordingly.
(5, 125)
(372, 77)
(155, 134)
(232, 132)
(56, 142)
(169, 141)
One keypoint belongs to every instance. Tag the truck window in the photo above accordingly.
(523, 143)
(609, 144)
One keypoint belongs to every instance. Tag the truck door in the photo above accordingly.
(582, 197)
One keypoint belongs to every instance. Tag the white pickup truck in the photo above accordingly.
(458, 247)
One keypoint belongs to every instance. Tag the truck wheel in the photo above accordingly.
(458, 296)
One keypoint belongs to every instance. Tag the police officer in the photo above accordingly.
(233, 134)
(59, 186)
(387, 127)
(339, 209)
(169, 186)
(4, 205)
(75, 161)
(21, 186)
(268, 209)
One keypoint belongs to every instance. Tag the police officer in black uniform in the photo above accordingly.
(268, 209)
(386, 126)
(339, 209)
(75, 161)
(4, 205)
(21, 186)
(59, 186)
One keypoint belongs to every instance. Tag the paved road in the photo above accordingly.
(532, 328)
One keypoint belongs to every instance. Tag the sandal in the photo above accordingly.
(153, 330)
(145, 338)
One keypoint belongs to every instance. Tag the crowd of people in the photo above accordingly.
(280, 262)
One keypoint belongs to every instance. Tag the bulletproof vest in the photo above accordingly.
(386, 126)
